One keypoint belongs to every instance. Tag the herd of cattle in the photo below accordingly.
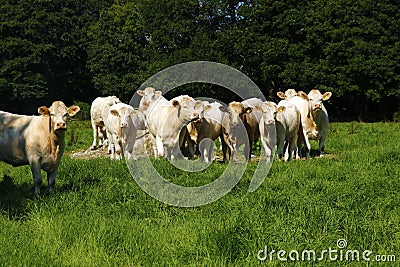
(174, 127)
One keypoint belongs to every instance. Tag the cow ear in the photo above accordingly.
(281, 109)
(281, 95)
(114, 112)
(258, 108)
(303, 95)
(207, 107)
(326, 96)
(72, 110)
(134, 112)
(158, 93)
(198, 104)
(175, 103)
(223, 109)
(43, 110)
(140, 92)
(248, 110)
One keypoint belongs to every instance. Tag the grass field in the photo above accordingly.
(99, 216)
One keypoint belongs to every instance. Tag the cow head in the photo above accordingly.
(316, 98)
(111, 100)
(149, 95)
(268, 110)
(124, 114)
(235, 112)
(58, 113)
(289, 93)
(190, 109)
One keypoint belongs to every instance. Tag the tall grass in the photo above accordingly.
(100, 217)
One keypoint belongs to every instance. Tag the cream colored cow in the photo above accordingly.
(301, 101)
(165, 120)
(122, 125)
(98, 115)
(320, 116)
(37, 141)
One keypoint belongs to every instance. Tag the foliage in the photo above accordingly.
(78, 50)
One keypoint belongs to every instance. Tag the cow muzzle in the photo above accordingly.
(196, 117)
(61, 126)
(317, 107)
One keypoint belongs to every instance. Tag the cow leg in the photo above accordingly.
(291, 147)
(118, 149)
(210, 151)
(266, 143)
(103, 135)
(111, 148)
(51, 180)
(37, 176)
(224, 148)
(247, 151)
(191, 148)
(322, 146)
(281, 147)
(95, 134)
(159, 147)
(303, 139)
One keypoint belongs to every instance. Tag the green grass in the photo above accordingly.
(100, 217)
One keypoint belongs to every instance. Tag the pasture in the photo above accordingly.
(99, 216)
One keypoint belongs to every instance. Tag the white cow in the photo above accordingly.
(288, 127)
(234, 132)
(37, 141)
(320, 116)
(122, 125)
(185, 137)
(98, 113)
(301, 101)
(165, 119)
(267, 128)
(208, 127)
(251, 121)
(149, 95)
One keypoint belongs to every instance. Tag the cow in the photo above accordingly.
(149, 95)
(288, 127)
(37, 141)
(320, 116)
(165, 120)
(98, 113)
(251, 121)
(210, 126)
(267, 127)
(187, 145)
(233, 133)
(301, 101)
(122, 125)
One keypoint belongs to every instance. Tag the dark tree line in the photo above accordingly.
(76, 50)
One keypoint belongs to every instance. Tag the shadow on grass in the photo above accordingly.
(14, 199)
